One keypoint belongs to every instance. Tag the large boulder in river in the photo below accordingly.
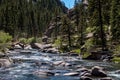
(5, 63)
(98, 55)
(98, 72)
(94, 56)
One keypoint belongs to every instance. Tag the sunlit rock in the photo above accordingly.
(28, 47)
(71, 74)
(17, 46)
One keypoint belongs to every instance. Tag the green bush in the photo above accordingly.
(57, 43)
(5, 37)
(27, 41)
(76, 51)
(23, 40)
(116, 59)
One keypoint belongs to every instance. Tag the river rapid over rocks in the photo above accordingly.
(35, 65)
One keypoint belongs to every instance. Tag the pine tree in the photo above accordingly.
(115, 20)
(95, 9)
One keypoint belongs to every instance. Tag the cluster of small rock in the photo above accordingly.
(82, 72)
(48, 48)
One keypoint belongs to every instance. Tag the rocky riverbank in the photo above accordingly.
(48, 65)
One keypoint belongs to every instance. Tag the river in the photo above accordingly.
(29, 61)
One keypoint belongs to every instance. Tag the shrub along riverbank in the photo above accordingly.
(6, 41)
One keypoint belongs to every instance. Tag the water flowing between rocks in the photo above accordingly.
(28, 62)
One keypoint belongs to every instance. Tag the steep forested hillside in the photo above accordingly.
(90, 24)
(27, 18)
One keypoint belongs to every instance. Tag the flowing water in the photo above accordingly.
(27, 62)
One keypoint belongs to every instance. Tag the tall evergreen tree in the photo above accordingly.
(95, 9)
(115, 20)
